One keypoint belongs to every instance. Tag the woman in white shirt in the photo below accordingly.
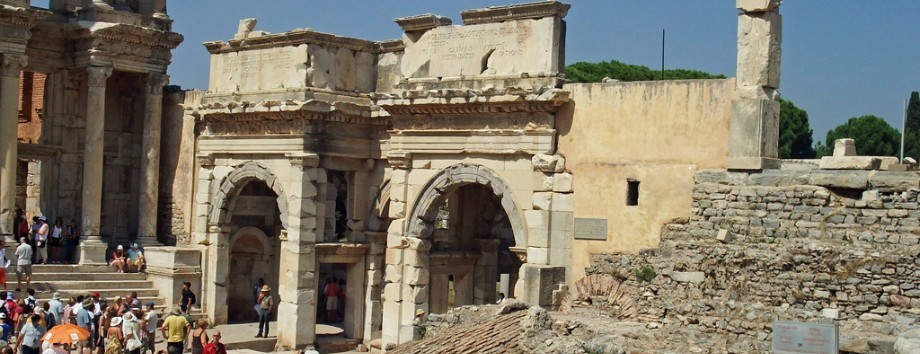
(57, 241)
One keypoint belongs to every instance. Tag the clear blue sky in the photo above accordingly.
(841, 58)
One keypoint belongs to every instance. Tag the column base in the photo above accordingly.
(92, 252)
(148, 241)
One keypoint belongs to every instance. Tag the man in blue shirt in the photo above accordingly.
(30, 336)
(5, 330)
(136, 258)
(85, 321)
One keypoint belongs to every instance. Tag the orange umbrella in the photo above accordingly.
(68, 333)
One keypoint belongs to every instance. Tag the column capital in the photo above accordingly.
(155, 82)
(206, 161)
(11, 64)
(98, 75)
(304, 160)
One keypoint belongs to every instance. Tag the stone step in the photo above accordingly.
(157, 301)
(105, 293)
(72, 285)
(55, 277)
(70, 268)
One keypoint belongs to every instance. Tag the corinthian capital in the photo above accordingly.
(98, 75)
(11, 64)
(155, 83)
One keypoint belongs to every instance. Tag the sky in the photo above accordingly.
(841, 58)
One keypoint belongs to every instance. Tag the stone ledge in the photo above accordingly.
(533, 10)
(422, 22)
(850, 163)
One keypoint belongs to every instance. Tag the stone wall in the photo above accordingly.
(795, 245)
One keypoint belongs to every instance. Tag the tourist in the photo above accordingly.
(501, 298)
(29, 339)
(23, 264)
(175, 329)
(200, 336)
(103, 324)
(47, 316)
(419, 317)
(36, 225)
(56, 308)
(5, 330)
(331, 291)
(22, 224)
(3, 264)
(118, 259)
(114, 337)
(215, 347)
(31, 300)
(150, 324)
(132, 333)
(56, 241)
(41, 241)
(136, 258)
(265, 310)
(135, 302)
(73, 240)
(10, 304)
(84, 319)
(119, 306)
(68, 313)
(188, 297)
(55, 348)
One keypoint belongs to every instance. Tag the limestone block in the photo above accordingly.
(562, 182)
(538, 237)
(392, 292)
(415, 294)
(757, 5)
(319, 73)
(893, 181)
(537, 255)
(345, 70)
(537, 219)
(393, 273)
(538, 283)
(542, 182)
(830, 313)
(844, 147)
(688, 277)
(416, 276)
(416, 258)
(840, 179)
(908, 342)
(724, 236)
(561, 239)
(397, 227)
(397, 210)
(542, 200)
(759, 49)
(562, 220)
(563, 202)
(366, 71)
(391, 311)
(396, 241)
(418, 244)
(849, 163)
(753, 133)
(394, 256)
(548, 163)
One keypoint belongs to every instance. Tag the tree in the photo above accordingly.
(795, 134)
(912, 127)
(873, 135)
(596, 72)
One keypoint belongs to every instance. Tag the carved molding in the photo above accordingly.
(98, 75)
(293, 38)
(470, 108)
(532, 10)
(11, 64)
(400, 159)
(422, 22)
(304, 160)
(205, 161)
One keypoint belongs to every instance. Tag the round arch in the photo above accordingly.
(249, 230)
(421, 219)
(231, 185)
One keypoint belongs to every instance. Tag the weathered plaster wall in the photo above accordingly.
(658, 133)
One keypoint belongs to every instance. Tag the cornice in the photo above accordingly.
(293, 38)
(533, 10)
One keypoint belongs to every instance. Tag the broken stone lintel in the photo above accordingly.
(421, 23)
(534, 10)
(757, 5)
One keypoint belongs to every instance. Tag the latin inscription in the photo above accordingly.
(252, 63)
(591, 229)
(464, 44)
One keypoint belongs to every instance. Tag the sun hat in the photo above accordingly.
(9, 296)
(87, 303)
(116, 322)
(266, 288)
(175, 311)
(120, 247)
(149, 303)
(419, 312)
(2, 315)
(56, 296)
(95, 294)
(129, 317)
(134, 245)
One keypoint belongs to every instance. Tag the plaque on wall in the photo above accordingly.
(590, 229)
(799, 337)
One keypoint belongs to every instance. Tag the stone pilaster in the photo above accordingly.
(754, 130)
(150, 160)
(297, 281)
(10, 65)
(92, 249)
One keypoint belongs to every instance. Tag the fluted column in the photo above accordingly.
(150, 160)
(92, 248)
(10, 65)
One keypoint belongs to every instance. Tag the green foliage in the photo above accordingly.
(595, 72)
(912, 127)
(645, 273)
(873, 135)
(795, 134)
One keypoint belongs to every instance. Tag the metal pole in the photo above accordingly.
(662, 54)
(903, 129)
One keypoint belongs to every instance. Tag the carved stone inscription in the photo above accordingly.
(261, 69)
(488, 49)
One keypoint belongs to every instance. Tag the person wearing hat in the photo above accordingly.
(119, 260)
(56, 308)
(265, 310)
(132, 332)
(23, 264)
(175, 330)
(419, 317)
(114, 337)
(5, 330)
(151, 318)
(136, 258)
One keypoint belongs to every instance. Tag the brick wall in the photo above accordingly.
(31, 105)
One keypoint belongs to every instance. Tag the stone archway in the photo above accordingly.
(230, 186)
(251, 257)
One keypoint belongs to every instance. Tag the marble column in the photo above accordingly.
(150, 160)
(10, 65)
(92, 249)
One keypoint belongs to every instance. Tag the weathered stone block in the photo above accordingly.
(724, 236)
(849, 163)
(394, 256)
(537, 219)
(548, 163)
(753, 134)
(840, 179)
(539, 282)
(688, 277)
(538, 237)
(563, 202)
(416, 276)
(542, 200)
(562, 182)
(844, 147)
(392, 292)
(894, 181)
(537, 255)
(759, 49)
(757, 5)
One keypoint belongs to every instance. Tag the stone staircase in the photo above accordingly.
(74, 280)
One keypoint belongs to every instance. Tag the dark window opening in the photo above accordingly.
(632, 192)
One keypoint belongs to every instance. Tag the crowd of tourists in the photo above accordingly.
(50, 243)
(116, 326)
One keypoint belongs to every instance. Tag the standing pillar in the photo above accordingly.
(150, 160)
(753, 138)
(92, 249)
(10, 65)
